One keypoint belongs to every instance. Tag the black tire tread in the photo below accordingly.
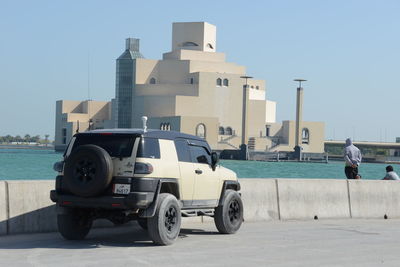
(103, 176)
(142, 223)
(157, 231)
(73, 225)
(221, 219)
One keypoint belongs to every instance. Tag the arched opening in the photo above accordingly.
(228, 131)
(219, 82)
(267, 130)
(305, 136)
(153, 80)
(226, 82)
(221, 130)
(201, 130)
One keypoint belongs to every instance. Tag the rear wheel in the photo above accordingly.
(229, 217)
(165, 225)
(74, 224)
(143, 223)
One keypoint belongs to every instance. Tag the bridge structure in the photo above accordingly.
(365, 144)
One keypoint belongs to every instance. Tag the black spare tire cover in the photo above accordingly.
(88, 171)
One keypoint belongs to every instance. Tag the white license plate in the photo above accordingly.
(122, 189)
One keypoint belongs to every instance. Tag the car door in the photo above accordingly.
(206, 180)
(187, 174)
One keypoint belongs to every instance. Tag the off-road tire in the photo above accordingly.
(142, 223)
(229, 216)
(88, 171)
(165, 225)
(74, 224)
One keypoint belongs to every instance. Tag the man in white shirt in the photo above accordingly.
(390, 174)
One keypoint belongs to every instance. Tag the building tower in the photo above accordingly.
(125, 83)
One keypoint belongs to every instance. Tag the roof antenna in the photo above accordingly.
(144, 119)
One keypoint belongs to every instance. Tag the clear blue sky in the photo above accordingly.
(348, 50)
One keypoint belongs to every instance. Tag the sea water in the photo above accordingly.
(37, 164)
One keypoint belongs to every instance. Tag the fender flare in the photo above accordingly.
(228, 184)
(151, 210)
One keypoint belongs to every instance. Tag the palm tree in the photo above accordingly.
(18, 138)
(35, 139)
(8, 138)
(27, 138)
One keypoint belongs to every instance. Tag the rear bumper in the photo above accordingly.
(134, 200)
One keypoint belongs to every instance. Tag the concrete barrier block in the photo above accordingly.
(259, 199)
(306, 198)
(30, 207)
(3, 208)
(374, 199)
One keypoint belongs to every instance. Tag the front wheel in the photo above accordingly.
(73, 224)
(165, 225)
(229, 217)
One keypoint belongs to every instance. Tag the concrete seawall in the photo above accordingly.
(305, 199)
(25, 206)
(3, 208)
(30, 208)
(374, 199)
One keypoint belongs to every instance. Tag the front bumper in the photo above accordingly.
(134, 200)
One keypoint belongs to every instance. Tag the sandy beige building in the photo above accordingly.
(79, 116)
(192, 89)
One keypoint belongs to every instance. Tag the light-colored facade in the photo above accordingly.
(193, 89)
(283, 135)
(79, 116)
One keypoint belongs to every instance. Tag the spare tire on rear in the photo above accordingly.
(88, 171)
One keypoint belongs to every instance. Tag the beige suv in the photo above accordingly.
(155, 177)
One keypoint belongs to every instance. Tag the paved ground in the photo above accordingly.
(294, 243)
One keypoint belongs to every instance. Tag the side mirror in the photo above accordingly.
(214, 160)
(58, 166)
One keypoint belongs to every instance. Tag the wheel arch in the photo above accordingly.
(171, 187)
(228, 185)
(165, 185)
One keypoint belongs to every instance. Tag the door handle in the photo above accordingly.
(198, 171)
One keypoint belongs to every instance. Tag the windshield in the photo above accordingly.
(117, 145)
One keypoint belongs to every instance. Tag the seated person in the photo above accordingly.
(390, 174)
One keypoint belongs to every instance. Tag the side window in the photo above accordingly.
(200, 155)
(149, 148)
(182, 149)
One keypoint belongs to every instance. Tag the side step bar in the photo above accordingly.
(200, 212)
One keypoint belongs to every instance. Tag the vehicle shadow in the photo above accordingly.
(121, 236)
(185, 232)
